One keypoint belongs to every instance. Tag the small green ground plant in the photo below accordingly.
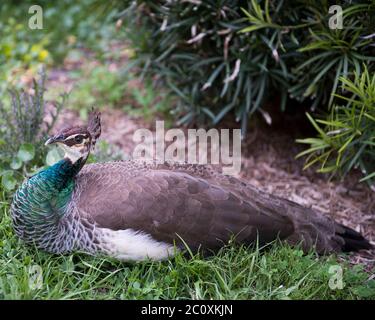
(23, 131)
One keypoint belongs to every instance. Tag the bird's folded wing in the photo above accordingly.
(177, 204)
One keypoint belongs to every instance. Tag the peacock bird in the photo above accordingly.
(136, 210)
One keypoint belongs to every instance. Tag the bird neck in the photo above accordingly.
(41, 201)
(58, 177)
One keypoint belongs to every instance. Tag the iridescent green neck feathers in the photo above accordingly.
(41, 202)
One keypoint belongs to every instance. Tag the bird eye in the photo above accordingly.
(78, 139)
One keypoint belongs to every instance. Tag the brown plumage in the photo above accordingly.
(201, 206)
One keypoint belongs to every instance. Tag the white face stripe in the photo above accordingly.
(130, 245)
(75, 135)
(74, 153)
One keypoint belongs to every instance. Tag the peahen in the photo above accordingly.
(134, 210)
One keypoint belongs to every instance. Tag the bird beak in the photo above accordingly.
(49, 141)
(53, 140)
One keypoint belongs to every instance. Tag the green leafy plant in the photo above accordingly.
(23, 131)
(225, 58)
(346, 139)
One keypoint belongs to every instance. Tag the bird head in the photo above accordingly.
(78, 141)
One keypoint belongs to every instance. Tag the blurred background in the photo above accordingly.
(302, 92)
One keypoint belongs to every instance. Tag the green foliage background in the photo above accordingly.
(66, 25)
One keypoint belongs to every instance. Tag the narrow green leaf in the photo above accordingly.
(370, 176)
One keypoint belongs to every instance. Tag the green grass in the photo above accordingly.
(235, 273)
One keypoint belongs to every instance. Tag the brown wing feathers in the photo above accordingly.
(205, 209)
